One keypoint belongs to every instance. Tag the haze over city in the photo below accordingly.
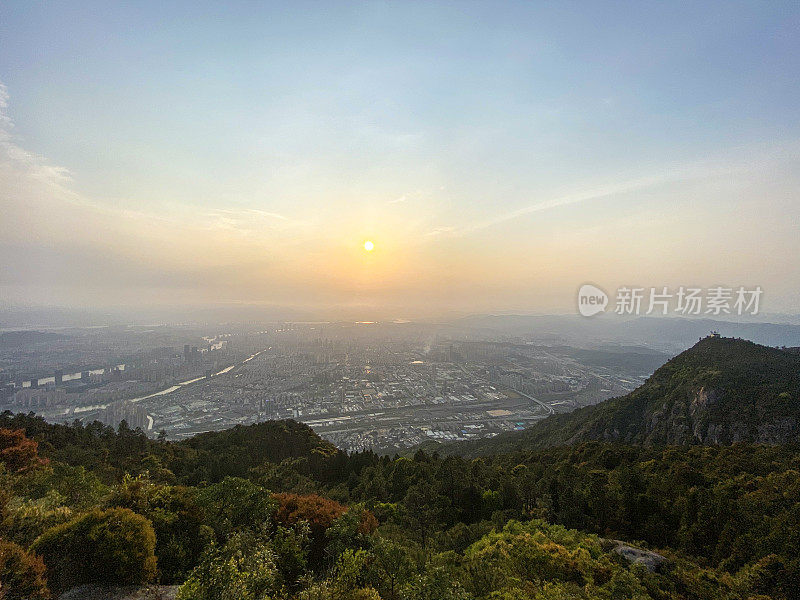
(498, 156)
(399, 300)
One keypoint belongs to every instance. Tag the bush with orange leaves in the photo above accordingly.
(18, 452)
(22, 574)
(367, 523)
(320, 513)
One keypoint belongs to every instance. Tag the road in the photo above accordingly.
(164, 392)
(547, 407)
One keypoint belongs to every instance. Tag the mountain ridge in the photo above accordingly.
(719, 391)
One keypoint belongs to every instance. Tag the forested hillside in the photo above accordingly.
(720, 391)
(272, 511)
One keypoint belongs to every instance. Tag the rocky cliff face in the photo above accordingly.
(726, 391)
(720, 391)
(699, 421)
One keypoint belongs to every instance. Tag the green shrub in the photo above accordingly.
(113, 546)
(235, 504)
(181, 535)
(22, 575)
(243, 569)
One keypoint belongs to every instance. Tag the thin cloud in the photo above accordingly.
(597, 194)
(16, 163)
(247, 212)
(24, 174)
(738, 160)
(440, 231)
(249, 221)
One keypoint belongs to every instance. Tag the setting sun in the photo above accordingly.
(368, 246)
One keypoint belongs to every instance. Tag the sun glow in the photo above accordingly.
(368, 246)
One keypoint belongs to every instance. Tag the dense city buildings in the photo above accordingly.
(385, 386)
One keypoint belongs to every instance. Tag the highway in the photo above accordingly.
(547, 407)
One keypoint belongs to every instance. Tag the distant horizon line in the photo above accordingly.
(123, 317)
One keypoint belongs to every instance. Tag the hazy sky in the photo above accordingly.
(499, 155)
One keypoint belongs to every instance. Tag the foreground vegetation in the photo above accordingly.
(273, 511)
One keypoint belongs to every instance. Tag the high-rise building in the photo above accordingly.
(512, 379)
(6, 387)
(59, 377)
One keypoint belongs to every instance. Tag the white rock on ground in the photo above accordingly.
(103, 592)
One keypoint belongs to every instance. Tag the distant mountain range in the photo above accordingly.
(10, 340)
(667, 333)
(720, 391)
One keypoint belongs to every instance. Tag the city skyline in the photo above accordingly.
(498, 156)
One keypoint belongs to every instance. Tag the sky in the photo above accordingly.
(498, 154)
